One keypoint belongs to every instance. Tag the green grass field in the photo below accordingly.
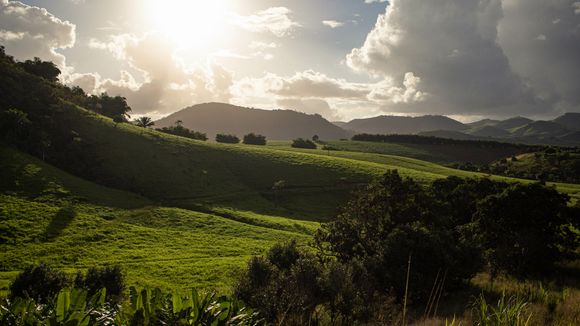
(176, 212)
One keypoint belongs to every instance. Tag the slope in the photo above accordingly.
(47, 215)
(214, 118)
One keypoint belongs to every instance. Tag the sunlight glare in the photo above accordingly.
(189, 23)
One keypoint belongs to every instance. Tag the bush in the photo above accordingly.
(303, 143)
(227, 139)
(179, 130)
(110, 278)
(253, 139)
(40, 283)
(283, 287)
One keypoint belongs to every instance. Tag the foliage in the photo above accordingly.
(254, 139)
(144, 122)
(154, 307)
(110, 278)
(287, 274)
(179, 130)
(75, 307)
(388, 222)
(227, 139)
(416, 139)
(507, 311)
(303, 143)
(115, 107)
(524, 229)
(44, 69)
(39, 283)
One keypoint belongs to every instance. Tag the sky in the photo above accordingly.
(343, 59)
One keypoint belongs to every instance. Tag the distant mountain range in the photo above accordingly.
(214, 118)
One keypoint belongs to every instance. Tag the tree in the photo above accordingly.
(113, 107)
(227, 139)
(525, 229)
(384, 224)
(254, 139)
(144, 122)
(315, 138)
(44, 69)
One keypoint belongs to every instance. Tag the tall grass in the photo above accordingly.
(509, 311)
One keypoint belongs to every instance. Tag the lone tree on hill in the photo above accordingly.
(253, 139)
(144, 122)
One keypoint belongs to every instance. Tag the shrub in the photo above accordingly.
(179, 130)
(111, 278)
(227, 139)
(40, 283)
(524, 229)
(303, 143)
(254, 139)
(284, 286)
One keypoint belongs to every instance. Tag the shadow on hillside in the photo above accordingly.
(60, 221)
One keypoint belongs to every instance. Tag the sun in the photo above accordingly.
(189, 23)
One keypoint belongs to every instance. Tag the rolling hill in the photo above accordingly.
(214, 118)
(569, 120)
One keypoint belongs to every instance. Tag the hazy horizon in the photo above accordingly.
(344, 60)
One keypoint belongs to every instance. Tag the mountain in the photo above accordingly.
(569, 120)
(541, 129)
(483, 123)
(513, 123)
(489, 131)
(404, 125)
(214, 118)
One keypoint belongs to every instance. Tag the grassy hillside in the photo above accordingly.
(190, 212)
(47, 215)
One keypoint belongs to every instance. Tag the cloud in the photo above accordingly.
(168, 84)
(310, 83)
(373, 1)
(275, 20)
(550, 66)
(28, 31)
(452, 47)
(387, 93)
(576, 6)
(332, 23)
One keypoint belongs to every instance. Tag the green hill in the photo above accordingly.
(48, 215)
(215, 118)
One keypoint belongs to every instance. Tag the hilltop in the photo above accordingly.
(214, 118)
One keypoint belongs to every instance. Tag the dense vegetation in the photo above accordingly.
(416, 139)
(394, 241)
